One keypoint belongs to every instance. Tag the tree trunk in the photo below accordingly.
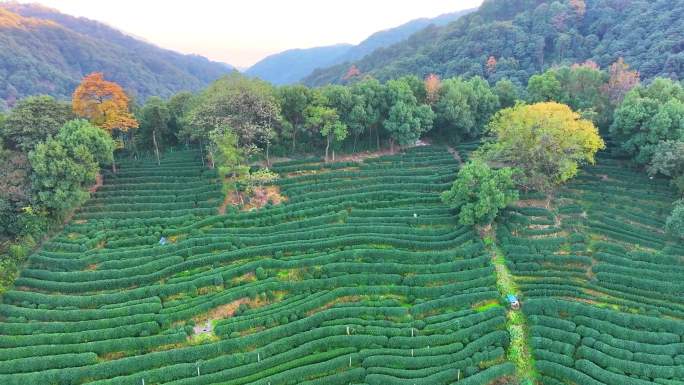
(391, 145)
(268, 160)
(294, 139)
(202, 152)
(327, 146)
(356, 139)
(377, 138)
(114, 165)
(156, 148)
(333, 155)
(370, 137)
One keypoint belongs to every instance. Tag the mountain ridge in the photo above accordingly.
(529, 36)
(43, 51)
(292, 65)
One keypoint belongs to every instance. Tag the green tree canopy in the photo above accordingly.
(65, 166)
(464, 107)
(33, 120)
(155, 130)
(479, 192)
(648, 115)
(407, 119)
(675, 222)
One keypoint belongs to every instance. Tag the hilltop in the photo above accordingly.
(43, 51)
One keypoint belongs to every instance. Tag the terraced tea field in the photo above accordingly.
(602, 285)
(361, 276)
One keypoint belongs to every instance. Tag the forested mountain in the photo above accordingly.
(292, 65)
(43, 51)
(517, 38)
(289, 66)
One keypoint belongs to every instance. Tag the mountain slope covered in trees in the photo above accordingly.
(43, 51)
(292, 65)
(517, 38)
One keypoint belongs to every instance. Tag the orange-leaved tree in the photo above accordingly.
(104, 103)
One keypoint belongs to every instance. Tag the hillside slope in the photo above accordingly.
(292, 65)
(528, 36)
(289, 66)
(45, 52)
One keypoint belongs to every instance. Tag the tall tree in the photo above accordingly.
(104, 103)
(407, 119)
(154, 124)
(327, 122)
(373, 96)
(179, 106)
(479, 192)
(648, 115)
(32, 120)
(464, 107)
(293, 101)
(64, 166)
(547, 141)
(248, 106)
(432, 85)
(621, 81)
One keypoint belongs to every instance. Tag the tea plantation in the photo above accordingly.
(360, 276)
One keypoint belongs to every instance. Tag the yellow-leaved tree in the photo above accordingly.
(546, 141)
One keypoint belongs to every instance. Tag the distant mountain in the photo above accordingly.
(43, 51)
(292, 65)
(518, 38)
(289, 66)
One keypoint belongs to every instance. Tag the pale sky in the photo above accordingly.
(243, 32)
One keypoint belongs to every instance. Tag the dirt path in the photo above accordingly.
(455, 153)
(519, 351)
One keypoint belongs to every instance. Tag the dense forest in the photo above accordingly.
(43, 51)
(516, 39)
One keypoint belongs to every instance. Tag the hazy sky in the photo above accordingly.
(243, 32)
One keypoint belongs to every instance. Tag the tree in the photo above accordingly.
(407, 119)
(647, 116)
(465, 107)
(675, 222)
(546, 141)
(65, 166)
(544, 88)
(226, 155)
(479, 192)
(373, 98)
(621, 81)
(327, 122)
(507, 92)
(432, 86)
(154, 124)
(668, 160)
(293, 101)
(104, 103)
(32, 120)
(80, 133)
(248, 106)
(179, 106)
